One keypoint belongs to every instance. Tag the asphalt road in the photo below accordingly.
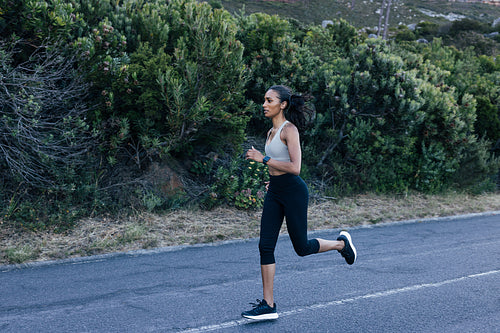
(441, 275)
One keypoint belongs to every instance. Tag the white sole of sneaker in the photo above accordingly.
(345, 233)
(267, 316)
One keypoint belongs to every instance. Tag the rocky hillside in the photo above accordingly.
(365, 13)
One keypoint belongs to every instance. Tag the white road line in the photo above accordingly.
(390, 292)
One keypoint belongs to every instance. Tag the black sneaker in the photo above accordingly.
(261, 311)
(349, 251)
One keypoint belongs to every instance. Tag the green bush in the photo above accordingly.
(427, 30)
(470, 75)
(389, 127)
(274, 56)
(35, 21)
(188, 81)
(405, 35)
(488, 119)
(239, 183)
(478, 168)
(467, 25)
(259, 32)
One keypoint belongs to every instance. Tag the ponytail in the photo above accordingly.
(296, 110)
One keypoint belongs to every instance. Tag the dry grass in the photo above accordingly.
(105, 235)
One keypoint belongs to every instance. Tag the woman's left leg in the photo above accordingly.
(296, 223)
(329, 245)
(296, 205)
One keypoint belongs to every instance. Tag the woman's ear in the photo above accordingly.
(283, 105)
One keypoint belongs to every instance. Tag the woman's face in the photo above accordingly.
(272, 105)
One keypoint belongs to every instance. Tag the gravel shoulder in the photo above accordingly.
(100, 235)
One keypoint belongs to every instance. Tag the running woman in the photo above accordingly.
(287, 194)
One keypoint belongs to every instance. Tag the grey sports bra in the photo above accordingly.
(276, 149)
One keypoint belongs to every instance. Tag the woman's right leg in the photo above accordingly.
(270, 225)
(268, 272)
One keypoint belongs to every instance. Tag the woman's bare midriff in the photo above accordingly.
(275, 172)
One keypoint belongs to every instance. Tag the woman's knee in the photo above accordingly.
(302, 251)
(311, 247)
(266, 254)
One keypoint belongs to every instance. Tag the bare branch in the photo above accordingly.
(386, 26)
(380, 18)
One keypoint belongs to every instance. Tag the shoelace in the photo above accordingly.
(257, 305)
(344, 252)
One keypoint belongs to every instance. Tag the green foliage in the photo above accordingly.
(274, 56)
(260, 31)
(470, 75)
(188, 77)
(336, 40)
(466, 25)
(241, 183)
(36, 21)
(462, 34)
(481, 44)
(105, 64)
(362, 138)
(128, 83)
(18, 255)
(46, 211)
(45, 140)
(488, 120)
(427, 30)
(478, 168)
(168, 78)
(151, 201)
(215, 4)
(251, 194)
(202, 89)
(404, 34)
(285, 63)
(389, 127)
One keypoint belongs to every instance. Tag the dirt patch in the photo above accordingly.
(105, 235)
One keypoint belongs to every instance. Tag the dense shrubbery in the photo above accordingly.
(94, 93)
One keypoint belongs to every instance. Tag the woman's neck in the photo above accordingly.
(278, 121)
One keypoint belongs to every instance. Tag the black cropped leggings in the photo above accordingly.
(288, 197)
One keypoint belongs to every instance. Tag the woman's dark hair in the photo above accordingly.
(296, 110)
